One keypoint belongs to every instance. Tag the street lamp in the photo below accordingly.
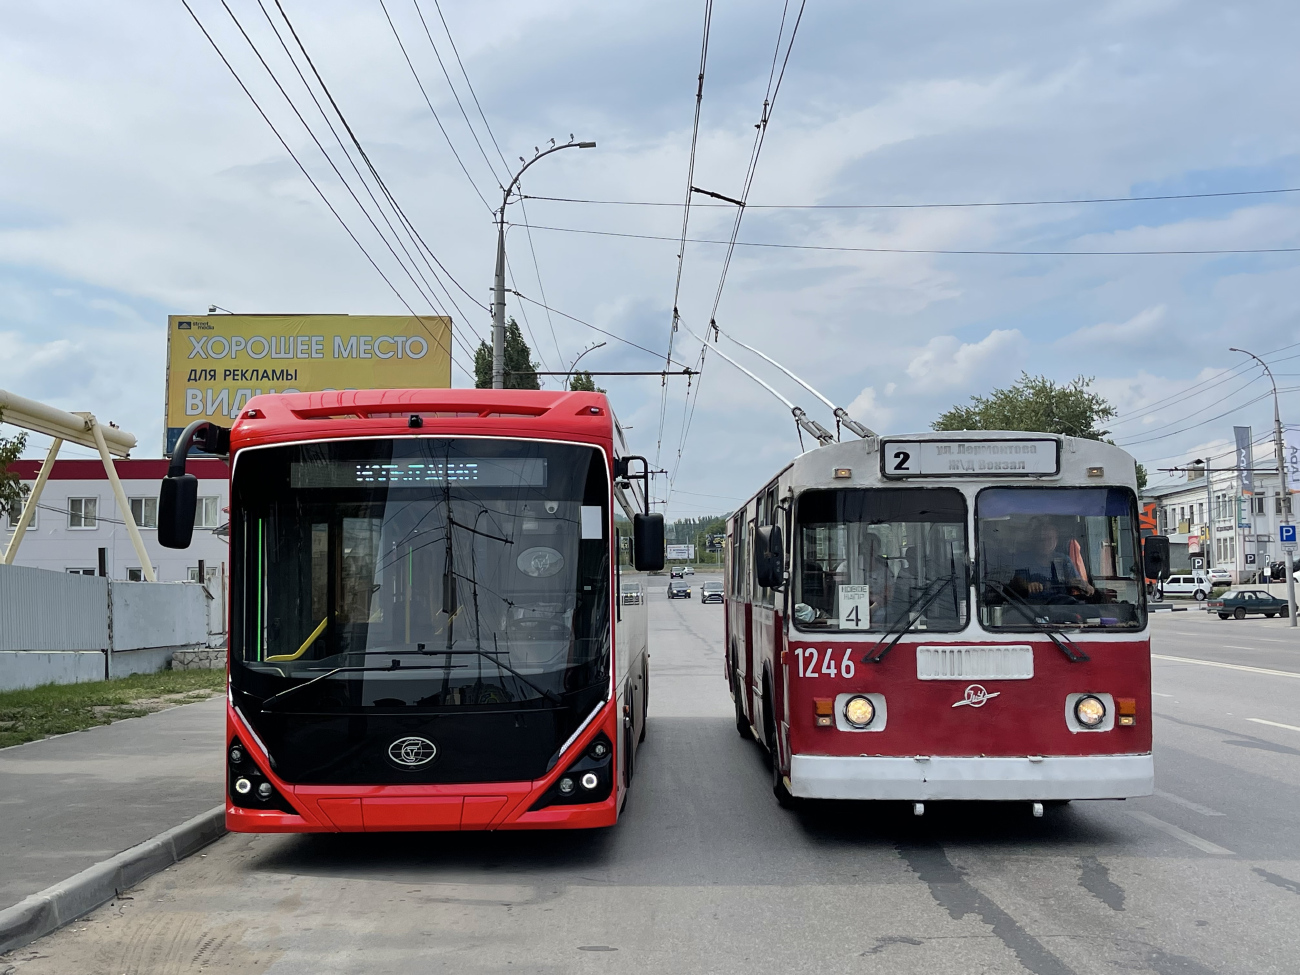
(1280, 453)
(1209, 512)
(590, 348)
(499, 298)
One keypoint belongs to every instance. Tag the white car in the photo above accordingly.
(1194, 584)
(1220, 577)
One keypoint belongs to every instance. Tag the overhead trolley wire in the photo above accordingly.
(596, 328)
(935, 206)
(303, 169)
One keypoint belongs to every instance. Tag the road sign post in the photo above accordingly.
(1286, 535)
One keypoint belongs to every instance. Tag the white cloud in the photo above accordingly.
(948, 363)
(1140, 330)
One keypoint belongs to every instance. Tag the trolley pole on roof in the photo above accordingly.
(1279, 451)
(499, 284)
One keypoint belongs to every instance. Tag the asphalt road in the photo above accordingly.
(706, 874)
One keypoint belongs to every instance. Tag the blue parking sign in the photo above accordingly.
(1286, 533)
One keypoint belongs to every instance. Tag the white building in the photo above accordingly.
(1228, 529)
(77, 520)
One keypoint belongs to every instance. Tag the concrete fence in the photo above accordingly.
(62, 628)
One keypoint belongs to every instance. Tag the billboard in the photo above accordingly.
(686, 552)
(216, 363)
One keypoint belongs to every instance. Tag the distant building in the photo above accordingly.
(1244, 537)
(78, 516)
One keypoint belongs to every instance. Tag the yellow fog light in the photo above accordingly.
(859, 711)
(1090, 711)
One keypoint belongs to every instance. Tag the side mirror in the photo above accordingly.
(1155, 557)
(769, 557)
(648, 542)
(178, 500)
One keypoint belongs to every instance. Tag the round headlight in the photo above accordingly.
(1090, 711)
(566, 786)
(859, 711)
(243, 786)
(590, 781)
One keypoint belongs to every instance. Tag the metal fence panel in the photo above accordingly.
(44, 610)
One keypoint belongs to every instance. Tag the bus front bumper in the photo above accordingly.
(942, 777)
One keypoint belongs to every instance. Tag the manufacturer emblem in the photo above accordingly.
(412, 752)
(975, 696)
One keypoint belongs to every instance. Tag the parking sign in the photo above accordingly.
(1286, 534)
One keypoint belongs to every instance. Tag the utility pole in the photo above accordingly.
(1279, 451)
(499, 285)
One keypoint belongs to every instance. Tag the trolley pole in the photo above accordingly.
(499, 279)
(1279, 451)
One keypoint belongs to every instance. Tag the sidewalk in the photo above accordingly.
(70, 802)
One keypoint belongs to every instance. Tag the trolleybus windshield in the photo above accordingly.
(1066, 556)
(877, 559)
(390, 575)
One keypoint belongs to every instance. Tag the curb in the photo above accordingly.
(53, 907)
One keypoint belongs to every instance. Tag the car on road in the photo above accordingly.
(631, 594)
(677, 572)
(1220, 577)
(1195, 584)
(1239, 603)
(688, 570)
(711, 592)
(679, 589)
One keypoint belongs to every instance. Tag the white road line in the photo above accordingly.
(1274, 724)
(1205, 846)
(1215, 663)
(1187, 803)
(1158, 694)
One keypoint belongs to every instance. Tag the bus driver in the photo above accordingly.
(1048, 572)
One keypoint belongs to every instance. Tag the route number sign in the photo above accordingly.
(855, 607)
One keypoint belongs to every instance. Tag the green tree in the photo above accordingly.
(582, 382)
(1039, 405)
(12, 491)
(521, 370)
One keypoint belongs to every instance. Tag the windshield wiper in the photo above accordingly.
(919, 604)
(341, 670)
(492, 656)
(1053, 630)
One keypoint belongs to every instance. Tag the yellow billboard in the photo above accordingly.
(217, 363)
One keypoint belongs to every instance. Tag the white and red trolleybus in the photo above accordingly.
(424, 627)
(944, 616)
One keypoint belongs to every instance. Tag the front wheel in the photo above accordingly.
(1223, 616)
(1239, 613)
(1199, 595)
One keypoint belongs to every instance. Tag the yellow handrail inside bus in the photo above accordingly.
(320, 628)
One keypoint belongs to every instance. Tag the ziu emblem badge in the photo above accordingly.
(975, 696)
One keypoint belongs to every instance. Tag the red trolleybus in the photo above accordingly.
(955, 616)
(424, 627)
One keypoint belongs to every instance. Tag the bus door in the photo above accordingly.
(763, 628)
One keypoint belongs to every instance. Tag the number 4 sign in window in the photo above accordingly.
(855, 607)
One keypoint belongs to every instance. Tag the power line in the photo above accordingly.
(303, 169)
(923, 250)
(596, 328)
(1241, 406)
(933, 206)
(464, 74)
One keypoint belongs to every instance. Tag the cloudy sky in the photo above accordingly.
(137, 180)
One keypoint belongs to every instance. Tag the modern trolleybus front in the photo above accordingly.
(945, 616)
(424, 626)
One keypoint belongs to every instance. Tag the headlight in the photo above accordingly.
(1090, 711)
(859, 711)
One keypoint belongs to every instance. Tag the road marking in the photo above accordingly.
(1215, 663)
(1191, 839)
(1158, 694)
(1188, 804)
(1233, 646)
(1274, 724)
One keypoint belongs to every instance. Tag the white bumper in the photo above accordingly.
(939, 777)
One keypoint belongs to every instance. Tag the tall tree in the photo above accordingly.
(582, 382)
(1037, 404)
(12, 491)
(521, 370)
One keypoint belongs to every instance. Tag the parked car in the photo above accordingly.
(711, 592)
(1194, 584)
(1220, 577)
(679, 588)
(1238, 603)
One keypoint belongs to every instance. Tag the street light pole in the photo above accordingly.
(590, 348)
(1209, 514)
(1279, 451)
(499, 286)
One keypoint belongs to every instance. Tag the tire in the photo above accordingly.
(742, 722)
(645, 699)
(1270, 615)
(1223, 616)
(1239, 613)
(783, 797)
(1286, 611)
(629, 758)
(1199, 595)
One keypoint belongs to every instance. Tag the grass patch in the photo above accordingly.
(55, 709)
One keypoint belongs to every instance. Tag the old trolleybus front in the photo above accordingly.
(966, 619)
(422, 627)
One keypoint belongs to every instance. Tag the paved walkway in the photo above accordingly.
(67, 803)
